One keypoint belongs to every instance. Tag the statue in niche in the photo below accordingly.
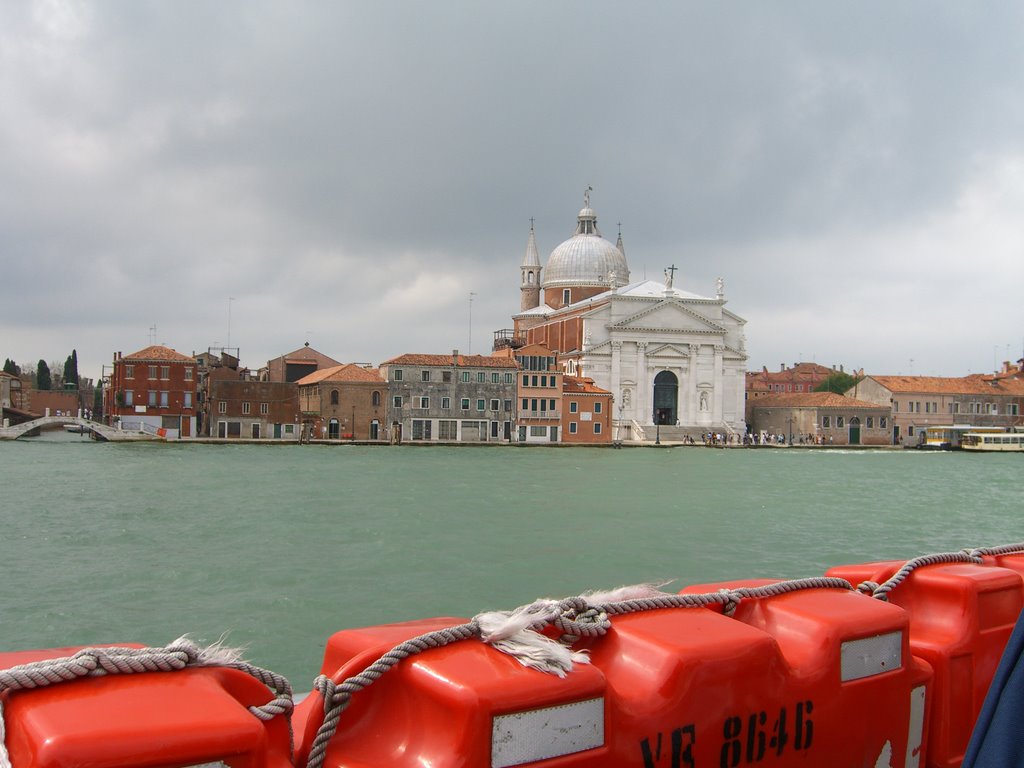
(627, 397)
(703, 401)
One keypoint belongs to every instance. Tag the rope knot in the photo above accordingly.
(576, 624)
(327, 689)
(867, 587)
(976, 553)
(731, 599)
(186, 650)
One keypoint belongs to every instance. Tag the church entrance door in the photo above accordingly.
(666, 396)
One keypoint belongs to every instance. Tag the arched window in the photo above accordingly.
(376, 398)
(530, 278)
(334, 397)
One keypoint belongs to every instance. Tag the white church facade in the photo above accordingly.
(674, 360)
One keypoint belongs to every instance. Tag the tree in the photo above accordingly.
(56, 374)
(28, 374)
(838, 382)
(11, 367)
(43, 381)
(71, 369)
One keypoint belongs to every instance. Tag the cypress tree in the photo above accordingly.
(43, 376)
(71, 369)
(11, 367)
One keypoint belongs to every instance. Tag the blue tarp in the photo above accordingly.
(998, 737)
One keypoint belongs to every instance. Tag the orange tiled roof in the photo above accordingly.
(535, 349)
(580, 385)
(938, 385)
(159, 353)
(813, 400)
(464, 361)
(346, 372)
(1011, 386)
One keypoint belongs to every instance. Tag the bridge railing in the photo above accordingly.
(139, 426)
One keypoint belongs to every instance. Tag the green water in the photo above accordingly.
(279, 546)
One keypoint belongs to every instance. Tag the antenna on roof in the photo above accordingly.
(469, 348)
(152, 334)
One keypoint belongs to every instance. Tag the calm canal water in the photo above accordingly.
(279, 546)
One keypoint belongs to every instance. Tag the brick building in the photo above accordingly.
(255, 410)
(346, 402)
(154, 389)
(293, 366)
(824, 418)
(460, 398)
(800, 377)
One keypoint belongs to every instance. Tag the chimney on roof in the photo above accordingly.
(782, 367)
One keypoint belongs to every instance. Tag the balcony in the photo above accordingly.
(550, 415)
(508, 338)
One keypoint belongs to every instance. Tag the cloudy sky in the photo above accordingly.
(262, 174)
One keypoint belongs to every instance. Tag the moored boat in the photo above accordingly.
(999, 442)
(879, 664)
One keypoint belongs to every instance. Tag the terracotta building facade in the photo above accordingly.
(586, 412)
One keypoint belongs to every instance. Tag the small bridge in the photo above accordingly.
(101, 431)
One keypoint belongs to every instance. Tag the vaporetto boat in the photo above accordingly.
(996, 442)
(879, 664)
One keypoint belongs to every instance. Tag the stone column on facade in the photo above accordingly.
(616, 379)
(718, 396)
(683, 399)
(691, 388)
(644, 404)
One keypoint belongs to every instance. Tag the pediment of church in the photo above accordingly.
(670, 316)
(668, 350)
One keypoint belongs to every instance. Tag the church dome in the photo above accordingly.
(586, 258)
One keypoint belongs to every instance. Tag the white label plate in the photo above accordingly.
(524, 737)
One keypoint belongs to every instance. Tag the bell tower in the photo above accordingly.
(529, 286)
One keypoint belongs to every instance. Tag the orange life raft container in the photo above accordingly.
(773, 675)
(195, 715)
(881, 664)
